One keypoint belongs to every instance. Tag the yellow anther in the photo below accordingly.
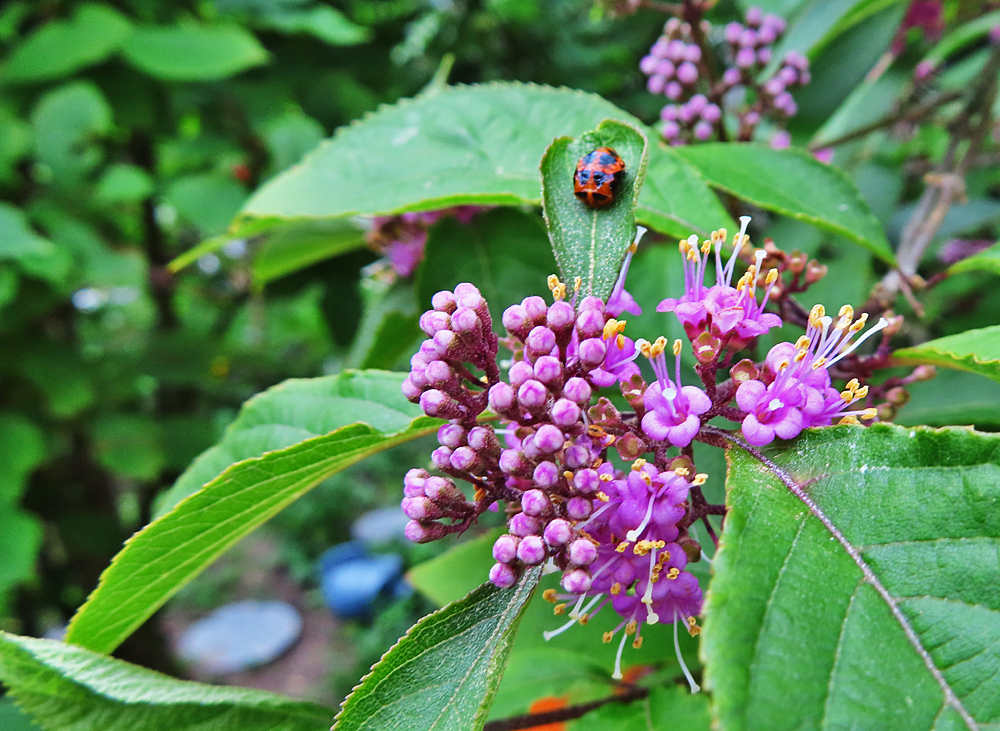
(800, 356)
(869, 414)
(552, 281)
(631, 627)
(622, 546)
(637, 642)
(772, 277)
(818, 363)
(577, 283)
(605, 478)
(803, 343)
(783, 364)
(706, 246)
(693, 628)
(817, 312)
(568, 475)
(723, 235)
(608, 636)
(673, 573)
(682, 471)
(584, 618)
(861, 392)
(638, 464)
(847, 396)
(616, 589)
(699, 479)
(847, 311)
(612, 328)
(549, 595)
(852, 385)
(659, 346)
(603, 497)
(860, 324)
(559, 293)
(559, 609)
(848, 420)
(641, 548)
(644, 347)
(677, 346)
(633, 247)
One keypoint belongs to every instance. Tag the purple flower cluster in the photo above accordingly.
(402, 238)
(620, 538)
(676, 68)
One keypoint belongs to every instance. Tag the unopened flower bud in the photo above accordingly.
(546, 474)
(444, 301)
(578, 456)
(464, 320)
(505, 548)
(532, 395)
(548, 370)
(587, 481)
(924, 373)
(590, 324)
(483, 439)
(549, 439)
(437, 403)
(886, 411)
(579, 508)
(524, 525)
(465, 459)
(501, 397)
(441, 458)
(561, 316)
(536, 308)
(565, 413)
(520, 372)
(577, 581)
(440, 375)
(503, 576)
(577, 390)
(687, 73)
(424, 532)
(468, 295)
(558, 533)
(592, 352)
(420, 508)
(897, 396)
(535, 503)
(531, 550)
(442, 490)
(581, 552)
(517, 321)
(413, 483)
(540, 341)
(512, 462)
(451, 435)
(433, 321)
(815, 271)
(411, 391)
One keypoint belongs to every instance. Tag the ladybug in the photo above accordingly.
(598, 177)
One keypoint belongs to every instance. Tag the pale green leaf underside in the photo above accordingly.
(590, 243)
(469, 145)
(902, 635)
(793, 183)
(68, 688)
(289, 439)
(976, 351)
(442, 675)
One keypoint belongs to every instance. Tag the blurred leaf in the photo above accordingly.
(467, 145)
(326, 23)
(976, 351)
(61, 376)
(984, 261)
(22, 449)
(964, 35)
(453, 574)
(62, 47)
(284, 442)
(505, 253)
(12, 719)
(884, 610)
(953, 397)
(188, 52)
(454, 659)
(22, 539)
(33, 254)
(793, 183)
(389, 328)
(124, 184)
(666, 709)
(821, 21)
(73, 689)
(289, 137)
(301, 244)
(589, 243)
(129, 445)
(68, 120)
(207, 200)
(15, 142)
(869, 102)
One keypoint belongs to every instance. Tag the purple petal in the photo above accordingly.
(654, 426)
(683, 434)
(756, 433)
(749, 394)
(698, 400)
(790, 426)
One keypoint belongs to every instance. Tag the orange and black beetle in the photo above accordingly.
(598, 176)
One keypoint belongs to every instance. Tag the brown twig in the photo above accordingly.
(530, 720)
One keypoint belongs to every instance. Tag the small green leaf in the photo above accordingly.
(61, 47)
(590, 243)
(68, 122)
(22, 449)
(301, 244)
(189, 52)
(442, 675)
(33, 254)
(856, 583)
(70, 688)
(207, 200)
(321, 21)
(284, 442)
(22, 538)
(793, 183)
(124, 184)
(984, 261)
(963, 35)
(976, 351)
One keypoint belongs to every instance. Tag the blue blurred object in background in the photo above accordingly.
(240, 635)
(352, 581)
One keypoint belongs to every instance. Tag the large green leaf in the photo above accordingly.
(856, 583)
(590, 243)
(442, 675)
(190, 52)
(468, 145)
(284, 442)
(976, 351)
(68, 688)
(793, 183)
(61, 47)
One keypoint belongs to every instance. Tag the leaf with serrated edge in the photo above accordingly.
(793, 183)
(856, 582)
(442, 675)
(976, 351)
(70, 688)
(303, 422)
(590, 243)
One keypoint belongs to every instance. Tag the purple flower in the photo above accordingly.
(673, 410)
(620, 300)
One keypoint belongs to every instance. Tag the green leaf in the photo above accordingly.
(793, 183)
(590, 243)
(984, 261)
(207, 200)
(321, 21)
(129, 445)
(61, 47)
(124, 184)
(301, 244)
(19, 243)
(855, 584)
(976, 351)
(189, 52)
(22, 539)
(953, 398)
(22, 449)
(962, 36)
(68, 122)
(70, 688)
(505, 253)
(284, 442)
(822, 21)
(468, 145)
(666, 709)
(13, 719)
(442, 675)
